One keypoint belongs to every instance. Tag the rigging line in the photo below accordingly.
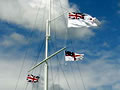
(32, 86)
(81, 77)
(64, 75)
(66, 27)
(73, 48)
(43, 23)
(58, 62)
(26, 86)
(40, 67)
(80, 72)
(70, 63)
(58, 59)
(53, 45)
(39, 50)
(36, 18)
(20, 73)
(78, 65)
(71, 42)
(50, 60)
(65, 22)
(26, 51)
(55, 40)
(79, 69)
(52, 74)
(43, 19)
(54, 24)
(20, 68)
(58, 71)
(74, 76)
(67, 32)
(63, 71)
(40, 74)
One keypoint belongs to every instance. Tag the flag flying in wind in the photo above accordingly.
(71, 56)
(81, 20)
(32, 78)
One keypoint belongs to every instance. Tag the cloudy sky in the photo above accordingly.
(22, 35)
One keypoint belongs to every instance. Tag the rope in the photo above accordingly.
(81, 77)
(26, 86)
(59, 62)
(33, 86)
(28, 40)
(64, 76)
(39, 50)
(53, 88)
(66, 38)
(52, 74)
(80, 73)
(74, 76)
(70, 41)
(62, 69)
(55, 41)
(41, 32)
(73, 49)
(20, 74)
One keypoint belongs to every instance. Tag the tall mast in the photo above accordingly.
(46, 47)
(48, 21)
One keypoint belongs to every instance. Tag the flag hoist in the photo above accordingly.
(48, 21)
(76, 20)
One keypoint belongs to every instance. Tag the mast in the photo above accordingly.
(46, 47)
(48, 21)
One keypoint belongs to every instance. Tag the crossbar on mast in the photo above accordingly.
(43, 61)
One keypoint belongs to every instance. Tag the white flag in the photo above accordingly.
(32, 78)
(71, 56)
(81, 20)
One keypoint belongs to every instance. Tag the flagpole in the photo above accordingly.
(46, 55)
(46, 48)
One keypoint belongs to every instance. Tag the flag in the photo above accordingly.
(71, 56)
(81, 20)
(32, 78)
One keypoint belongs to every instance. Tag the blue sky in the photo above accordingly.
(20, 32)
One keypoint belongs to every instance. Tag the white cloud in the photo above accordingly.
(13, 39)
(17, 37)
(118, 4)
(105, 44)
(118, 7)
(24, 12)
(118, 11)
(83, 33)
(116, 86)
(9, 73)
(96, 74)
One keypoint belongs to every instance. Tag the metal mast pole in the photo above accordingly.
(46, 47)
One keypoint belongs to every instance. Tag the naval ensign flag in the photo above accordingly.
(71, 56)
(79, 20)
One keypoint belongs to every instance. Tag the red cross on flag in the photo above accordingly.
(81, 20)
(71, 56)
(32, 78)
